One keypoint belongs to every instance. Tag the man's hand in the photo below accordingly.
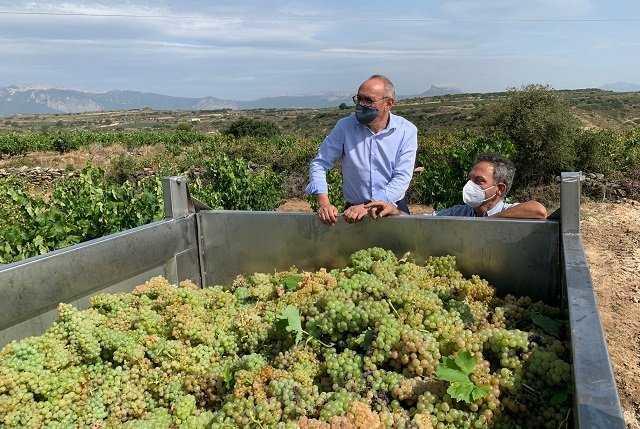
(327, 212)
(355, 213)
(379, 209)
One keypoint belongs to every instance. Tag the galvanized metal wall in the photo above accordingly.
(30, 290)
(522, 257)
(516, 256)
(596, 402)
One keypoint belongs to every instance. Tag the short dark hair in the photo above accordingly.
(503, 169)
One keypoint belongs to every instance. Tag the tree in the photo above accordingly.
(542, 128)
(343, 106)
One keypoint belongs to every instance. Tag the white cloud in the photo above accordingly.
(504, 10)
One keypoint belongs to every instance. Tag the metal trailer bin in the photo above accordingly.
(542, 259)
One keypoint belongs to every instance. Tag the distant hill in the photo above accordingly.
(14, 100)
(28, 100)
(621, 87)
(436, 91)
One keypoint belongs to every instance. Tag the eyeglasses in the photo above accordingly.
(366, 101)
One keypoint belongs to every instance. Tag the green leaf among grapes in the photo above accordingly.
(559, 398)
(451, 375)
(456, 371)
(291, 316)
(291, 282)
(461, 391)
(465, 362)
(479, 392)
(547, 324)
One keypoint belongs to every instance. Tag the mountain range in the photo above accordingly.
(33, 100)
(621, 87)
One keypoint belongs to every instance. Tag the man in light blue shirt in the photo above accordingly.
(377, 150)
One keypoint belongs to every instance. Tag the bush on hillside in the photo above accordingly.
(252, 127)
(543, 129)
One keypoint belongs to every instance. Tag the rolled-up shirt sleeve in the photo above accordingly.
(403, 172)
(330, 151)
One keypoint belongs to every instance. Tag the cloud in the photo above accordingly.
(255, 48)
(505, 10)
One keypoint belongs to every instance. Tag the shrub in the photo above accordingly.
(542, 128)
(631, 151)
(608, 151)
(184, 126)
(253, 128)
(123, 167)
(599, 151)
(232, 185)
(447, 159)
(63, 143)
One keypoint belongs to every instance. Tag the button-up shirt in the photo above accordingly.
(375, 166)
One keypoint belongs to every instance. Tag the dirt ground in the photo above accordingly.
(97, 155)
(611, 234)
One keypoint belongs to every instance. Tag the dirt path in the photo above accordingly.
(611, 234)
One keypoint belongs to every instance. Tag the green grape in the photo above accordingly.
(372, 337)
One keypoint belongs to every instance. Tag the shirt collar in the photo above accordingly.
(391, 126)
(393, 122)
(496, 209)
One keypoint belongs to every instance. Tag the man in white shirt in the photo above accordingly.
(489, 181)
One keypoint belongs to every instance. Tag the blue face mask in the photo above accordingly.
(365, 114)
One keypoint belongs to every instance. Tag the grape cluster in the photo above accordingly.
(365, 353)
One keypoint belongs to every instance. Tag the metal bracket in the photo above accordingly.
(570, 191)
(176, 197)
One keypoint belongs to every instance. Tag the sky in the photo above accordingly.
(250, 49)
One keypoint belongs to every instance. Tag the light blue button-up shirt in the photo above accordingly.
(375, 166)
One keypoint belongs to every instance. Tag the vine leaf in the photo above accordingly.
(291, 316)
(456, 371)
(547, 324)
(465, 362)
(291, 282)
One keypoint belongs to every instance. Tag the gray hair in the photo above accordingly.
(503, 169)
(389, 89)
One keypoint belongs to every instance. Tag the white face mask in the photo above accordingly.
(473, 194)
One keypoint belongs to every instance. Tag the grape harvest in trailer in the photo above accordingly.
(382, 342)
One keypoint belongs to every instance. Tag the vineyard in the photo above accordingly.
(244, 173)
(383, 342)
(386, 341)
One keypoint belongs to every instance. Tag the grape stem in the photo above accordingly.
(311, 337)
(393, 308)
(565, 423)
(531, 389)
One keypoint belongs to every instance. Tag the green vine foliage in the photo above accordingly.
(447, 159)
(233, 184)
(80, 208)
